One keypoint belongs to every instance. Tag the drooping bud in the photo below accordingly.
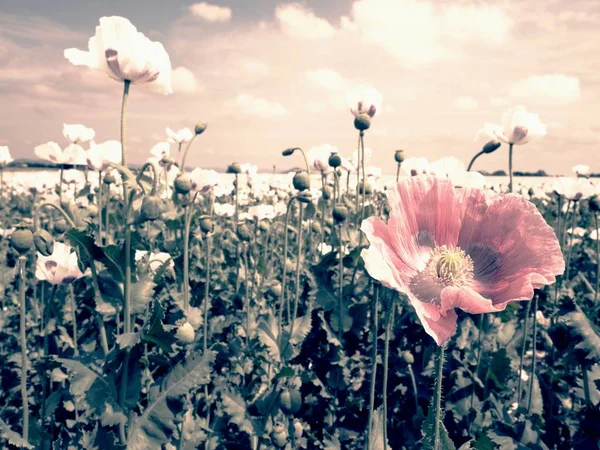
(200, 127)
(340, 213)
(21, 239)
(151, 208)
(206, 224)
(167, 161)
(334, 160)
(491, 146)
(304, 197)
(368, 188)
(60, 226)
(288, 151)
(183, 184)
(44, 242)
(109, 178)
(244, 232)
(362, 122)
(399, 156)
(301, 180)
(234, 168)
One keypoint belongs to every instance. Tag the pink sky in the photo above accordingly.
(444, 68)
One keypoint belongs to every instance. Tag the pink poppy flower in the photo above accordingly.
(466, 248)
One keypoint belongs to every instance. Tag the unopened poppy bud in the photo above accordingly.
(327, 193)
(334, 160)
(408, 357)
(290, 401)
(60, 226)
(21, 239)
(399, 156)
(185, 332)
(279, 436)
(234, 168)
(264, 226)
(44, 242)
(316, 227)
(200, 127)
(109, 178)
(183, 184)
(304, 197)
(594, 204)
(151, 208)
(206, 224)
(301, 180)
(340, 213)
(491, 146)
(288, 151)
(275, 289)
(244, 233)
(362, 122)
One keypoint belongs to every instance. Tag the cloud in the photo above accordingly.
(211, 13)
(466, 103)
(326, 78)
(553, 89)
(420, 32)
(298, 22)
(255, 67)
(184, 81)
(256, 106)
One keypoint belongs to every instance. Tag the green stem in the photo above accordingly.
(60, 183)
(126, 84)
(374, 330)
(284, 274)
(298, 266)
(510, 168)
(341, 288)
(586, 386)
(474, 158)
(398, 173)
(187, 214)
(597, 258)
(437, 397)
(522, 356)
(533, 358)
(155, 177)
(100, 241)
(323, 204)
(185, 152)
(389, 327)
(23, 338)
(479, 352)
(207, 284)
(570, 250)
(74, 309)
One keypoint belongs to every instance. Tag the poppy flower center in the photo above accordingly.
(450, 266)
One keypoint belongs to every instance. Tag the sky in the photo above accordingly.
(268, 75)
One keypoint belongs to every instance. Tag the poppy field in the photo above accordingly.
(333, 307)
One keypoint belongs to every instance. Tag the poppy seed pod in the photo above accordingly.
(234, 168)
(60, 226)
(594, 204)
(243, 233)
(335, 160)
(206, 224)
(21, 239)
(327, 193)
(44, 242)
(109, 178)
(301, 180)
(304, 197)
(340, 213)
(200, 127)
(399, 156)
(151, 208)
(183, 184)
(491, 146)
(362, 122)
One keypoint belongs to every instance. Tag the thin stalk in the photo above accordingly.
(23, 338)
(597, 258)
(479, 352)
(185, 152)
(60, 183)
(126, 84)
(236, 222)
(474, 158)
(389, 327)
(74, 309)
(522, 356)
(533, 358)
(207, 284)
(413, 382)
(510, 168)
(341, 288)
(284, 274)
(570, 250)
(586, 386)
(323, 204)
(107, 219)
(100, 241)
(298, 266)
(437, 396)
(357, 176)
(187, 214)
(374, 330)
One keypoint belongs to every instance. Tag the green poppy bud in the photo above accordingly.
(151, 208)
(399, 156)
(234, 168)
(275, 288)
(244, 233)
(290, 401)
(109, 178)
(288, 151)
(334, 160)
(60, 226)
(206, 224)
(44, 242)
(304, 197)
(491, 146)
(362, 122)
(21, 239)
(316, 227)
(264, 226)
(200, 127)
(279, 436)
(92, 211)
(183, 184)
(327, 193)
(301, 180)
(340, 213)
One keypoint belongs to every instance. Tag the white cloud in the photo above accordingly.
(419, 32)
(466, 103)
(184, 81)
(299, 22)
(325, 78)
(552, 89)
(255, 67)
(256, 106)
(211, 13)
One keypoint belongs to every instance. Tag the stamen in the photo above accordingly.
(450, 266)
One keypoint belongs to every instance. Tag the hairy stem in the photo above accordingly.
(522, 356)
(23, 338)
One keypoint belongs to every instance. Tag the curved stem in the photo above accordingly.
(154, 177)
(298, 266)
(533, 359)
(374, 330)
(185, 152)
(510, 169)
(522, 356)
(389, 327)
(23, 339)
(437, 396)
(52, 205)
(474, 158)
